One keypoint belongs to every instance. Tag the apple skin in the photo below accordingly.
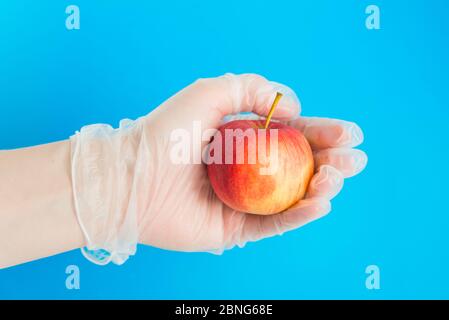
(242, 187)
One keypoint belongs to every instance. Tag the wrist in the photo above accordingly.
(36, 205)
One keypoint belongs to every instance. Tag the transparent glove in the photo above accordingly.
(128, 189)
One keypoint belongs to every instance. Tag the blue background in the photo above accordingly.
(129, 56)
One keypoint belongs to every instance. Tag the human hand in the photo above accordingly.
(172, 203)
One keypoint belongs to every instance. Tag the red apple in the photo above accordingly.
(243, 185)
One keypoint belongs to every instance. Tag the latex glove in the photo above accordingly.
(128, 189)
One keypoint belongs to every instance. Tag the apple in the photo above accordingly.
(249, 185)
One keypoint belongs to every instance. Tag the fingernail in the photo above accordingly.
(336, 178)
(323, 209)
(356, 134)
(360, 161)
(322, 175)
(318, 207)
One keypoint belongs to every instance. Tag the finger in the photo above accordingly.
(254, 93)
(307, 210)
(329, 133)
(326, 183)
(346, 160)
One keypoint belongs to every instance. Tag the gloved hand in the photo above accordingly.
(128, 189)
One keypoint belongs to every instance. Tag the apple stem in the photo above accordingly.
(273, 106)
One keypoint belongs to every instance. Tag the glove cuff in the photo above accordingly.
(105, 166)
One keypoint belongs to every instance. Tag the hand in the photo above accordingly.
(185, 214)
(174, 205)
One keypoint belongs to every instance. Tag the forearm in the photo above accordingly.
(37, 214)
